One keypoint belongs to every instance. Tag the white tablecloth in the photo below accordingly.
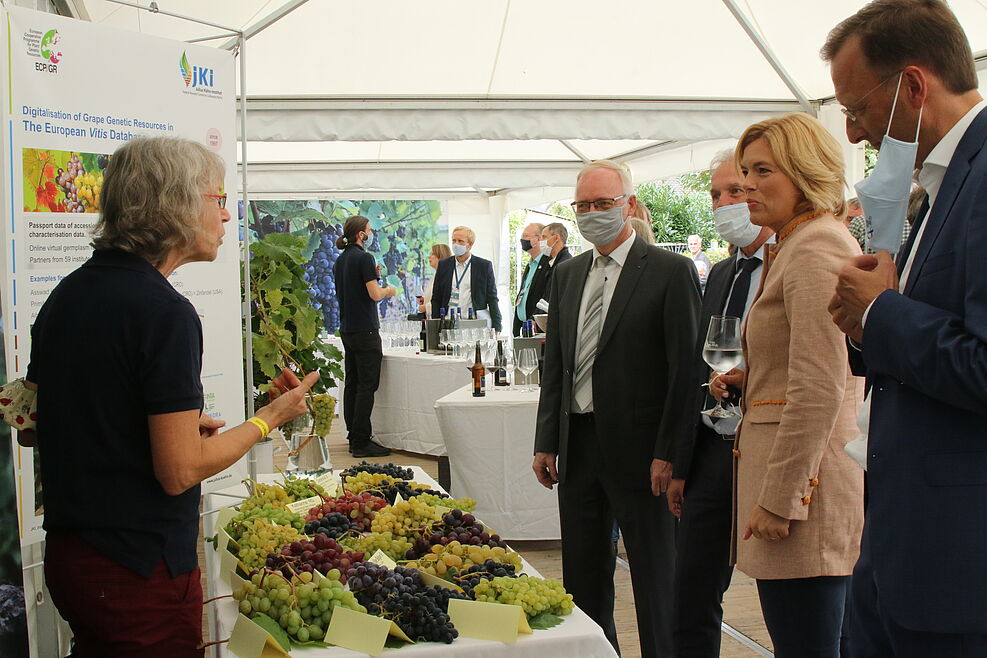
(577, 635)
(490, 441)
(404, 406)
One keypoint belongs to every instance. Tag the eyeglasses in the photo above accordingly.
(600, 204)
(220, 199)
(852, 114)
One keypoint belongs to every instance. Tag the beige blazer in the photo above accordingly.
(800, 406)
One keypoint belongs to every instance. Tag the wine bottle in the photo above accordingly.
(471, 316)
(424, 336)
(479, 385)
(456, 317)
(500, 363)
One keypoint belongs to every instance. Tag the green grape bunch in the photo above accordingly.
(405, 518)
(323, 408)
(393, 546)
(276, 515)
(535, 595)
(259, 537)
(464, 504)
(299, 487)
(264, 496)
(301, 606)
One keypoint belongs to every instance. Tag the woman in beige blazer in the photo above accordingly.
(798, 503)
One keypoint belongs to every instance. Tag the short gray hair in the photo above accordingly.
(726, 155)
(559, 229)
(152, 196)
(622, 170)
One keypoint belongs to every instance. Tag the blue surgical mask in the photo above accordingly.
(733, 223)
(601, 227)
(459, 249)
(884, 194)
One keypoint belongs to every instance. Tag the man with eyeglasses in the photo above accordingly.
(918, 332)
(617, 392)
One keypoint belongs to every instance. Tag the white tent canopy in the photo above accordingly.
(451, 97)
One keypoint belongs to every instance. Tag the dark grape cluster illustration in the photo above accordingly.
(318, 273)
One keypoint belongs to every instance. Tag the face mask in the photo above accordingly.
(544, 248)
(733, 222)
(459, 249)
(601, 227)
(525, 245)
(884, 194)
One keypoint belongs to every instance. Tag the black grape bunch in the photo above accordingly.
(318, 273)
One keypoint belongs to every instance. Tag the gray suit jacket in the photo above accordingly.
(644, 372)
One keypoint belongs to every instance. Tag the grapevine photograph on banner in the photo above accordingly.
(404, 232)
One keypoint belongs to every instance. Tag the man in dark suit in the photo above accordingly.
(553, 241)
(617, 392)
(701, 492)
(532, 282)
(919, 333)
(466, 281)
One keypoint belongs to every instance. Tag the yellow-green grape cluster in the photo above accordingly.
(535, 595)
(462, 556)
(405, 518)
(394, 547)
(299, 488)
(323, 408)
(260, 537)
(464, 504)
(302, 607)
(276, 515)
(364, 481)
(264, 496)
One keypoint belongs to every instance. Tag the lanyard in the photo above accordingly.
(459, 277)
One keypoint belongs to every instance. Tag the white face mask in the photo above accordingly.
(459, 249)
(544, 248)
(733, 222)
(884, 194)
(601, 227)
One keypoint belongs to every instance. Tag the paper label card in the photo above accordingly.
(304, 505)
(361, 632)
(223, 539)
(228, 565)
(397, 498)
(431, 580)
(224, 516)
(380, 558)
(328, 482)
(251, 641)
(480, 620)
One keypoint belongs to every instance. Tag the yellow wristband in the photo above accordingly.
(264, 428)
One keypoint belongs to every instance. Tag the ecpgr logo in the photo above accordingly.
(199, 80)
(45, 46)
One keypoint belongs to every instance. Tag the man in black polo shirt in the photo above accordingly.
(358, 292)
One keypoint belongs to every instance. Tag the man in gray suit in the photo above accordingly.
(617, 391)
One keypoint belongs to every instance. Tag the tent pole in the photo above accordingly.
(769, 55)
(266, 22)
(154, 10)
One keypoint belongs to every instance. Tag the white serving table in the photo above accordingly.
(578, 635)
(490, 442)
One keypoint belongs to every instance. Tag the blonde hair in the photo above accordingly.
(152, 196)
(642, 212)
(643, 229)
(622, 170)
(441, 251)
(470, 235)
(807, 154)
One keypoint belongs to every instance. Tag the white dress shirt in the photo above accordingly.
(465, 292)
(610, 274)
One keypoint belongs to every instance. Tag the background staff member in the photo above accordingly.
(466, 281)
(552, 246)
(533, 278)
(358, 292)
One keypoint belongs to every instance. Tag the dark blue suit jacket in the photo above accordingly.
(925, 356)
(483, 288)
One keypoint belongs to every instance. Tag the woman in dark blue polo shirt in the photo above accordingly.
(116, 356)
(358, 292)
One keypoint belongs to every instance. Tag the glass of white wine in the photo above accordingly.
(723, 353)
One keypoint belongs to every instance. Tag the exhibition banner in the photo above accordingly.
(75, 92)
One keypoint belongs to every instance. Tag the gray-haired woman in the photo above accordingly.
(116, 357)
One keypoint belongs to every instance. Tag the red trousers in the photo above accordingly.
(114, 612)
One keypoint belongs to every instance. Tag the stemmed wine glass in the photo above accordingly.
(527, 363)
(723, 353)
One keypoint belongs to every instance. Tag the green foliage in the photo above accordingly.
(680, 210)
(870, 159)
(285, 326)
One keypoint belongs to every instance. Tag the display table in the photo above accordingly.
(490, 442)
(404, 406)
(576, 636)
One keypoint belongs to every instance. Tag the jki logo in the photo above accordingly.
(195, 76)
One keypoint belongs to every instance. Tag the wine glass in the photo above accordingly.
(527, 363)
(723, 353)
(490, 361)
(510, 364)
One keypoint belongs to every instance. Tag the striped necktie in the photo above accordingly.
(589, 337)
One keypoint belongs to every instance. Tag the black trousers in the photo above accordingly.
(590, 499)
(702, 570)
(804, 616)
(362, 355)
(875, 634)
